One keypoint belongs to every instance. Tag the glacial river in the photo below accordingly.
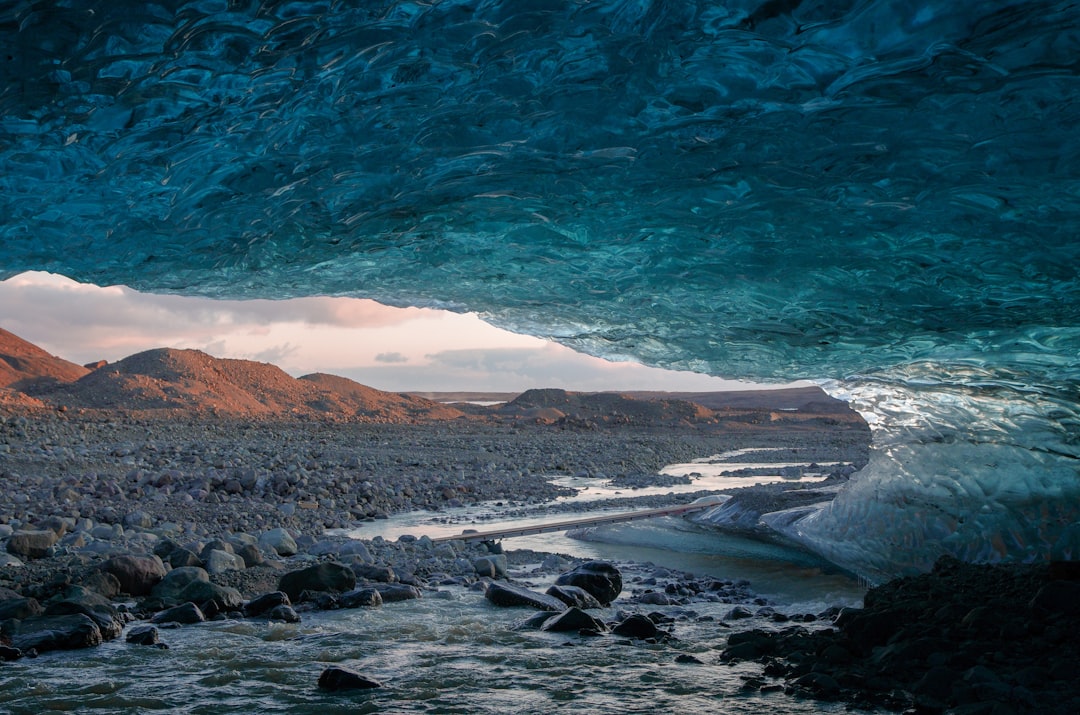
(453, 652)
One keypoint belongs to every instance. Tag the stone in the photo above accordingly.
(493, 566)
(144, 634)
(600, 578)
(361, 598)
(211, 596)
(511, 596)
(283, 613)
(266, 602)
(637, 626)
(138, 519)
(185, 613)
(738, 613)
(182, 557)
(280, 541)
(391, 592)
(573, 619)
(62, 632)
(251, 555)
(338, 677)
(655, 598)
(7, 653)
(573, 596)
(381, 574)
(19, 608)
(325, 576)
(102, 582)
(174, 582)
(137, 574)
(218, 561)
(34, 544)
(79, 600)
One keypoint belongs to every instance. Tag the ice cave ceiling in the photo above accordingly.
(880, 192)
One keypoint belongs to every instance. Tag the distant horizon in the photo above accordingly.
(411, 350)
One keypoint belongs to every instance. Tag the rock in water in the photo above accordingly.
(327, 576)
(573, 619)
(143, 635)
(637, 626)
(338, 677)
(600, 578)
(266, 602)
(573, 596)
(185, 613)
(362, 598)
(509, 595)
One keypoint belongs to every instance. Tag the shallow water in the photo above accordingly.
(453, 652)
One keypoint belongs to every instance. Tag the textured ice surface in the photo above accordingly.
(764, 190)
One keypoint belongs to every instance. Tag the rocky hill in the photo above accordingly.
(24, 365)
(190, 381)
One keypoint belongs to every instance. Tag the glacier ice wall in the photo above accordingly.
(879, 192)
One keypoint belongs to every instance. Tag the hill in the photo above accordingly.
(190, 381)
(24, 365)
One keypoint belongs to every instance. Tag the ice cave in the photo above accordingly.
(880, 195)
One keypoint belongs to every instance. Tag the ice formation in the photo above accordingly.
(882, 193)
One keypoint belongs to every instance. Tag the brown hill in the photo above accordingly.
(24, 365)
(190, 381)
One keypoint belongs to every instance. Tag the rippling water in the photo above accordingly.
(452, 652)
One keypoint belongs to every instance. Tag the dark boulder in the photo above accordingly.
(185, 613)
(78, 600)
(380, 574)
(573, 596)
(600, 578)
(573, 619)
(266, 602)
(509, 595)
(326, 576)
(66, 632)
(174, 582)
(391, 592)
(211, 597)
(19, 608)
(7, 653)
(337, 677)
(283, 613)
(361, 598)
(637, 626)
(143, 635)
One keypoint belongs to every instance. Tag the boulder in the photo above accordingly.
(144, 634)
(103, 583)
(283, 613)
(361, 598)
(32, 544)
(391, 592)
(19, 608)
(137, 574)
(174, 582)
(280, 541)
(251, 555)
(77, 600)
(573, 596)
(326, 576)
(217, 561)
(380, 574)
(637, 626)
(185, 613)
(266, 602)
(338, 677)
(493, 566)
(66, 632)
(211, 596)
(509, 595)
(7, 653)
(600, 578)
(573, 619)
(182, 557)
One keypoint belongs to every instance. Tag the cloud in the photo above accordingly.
(394, 357)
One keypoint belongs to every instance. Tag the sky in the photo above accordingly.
(395, 349)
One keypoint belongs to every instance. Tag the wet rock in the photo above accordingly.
(19, 608)
(143, 635)
(283, 614)
(326, 576)
(186, 613)
(574, 619)
(211, 598)
(493, 566)
(7, 653)
(45, 633)
(510, 595)
(391, 592)
(738, 613)
(573, 596)
(380, 574)
(361, 598)
(266, 602)
(338, 677)
(637, 626)
(78, 600)
(600, 578)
